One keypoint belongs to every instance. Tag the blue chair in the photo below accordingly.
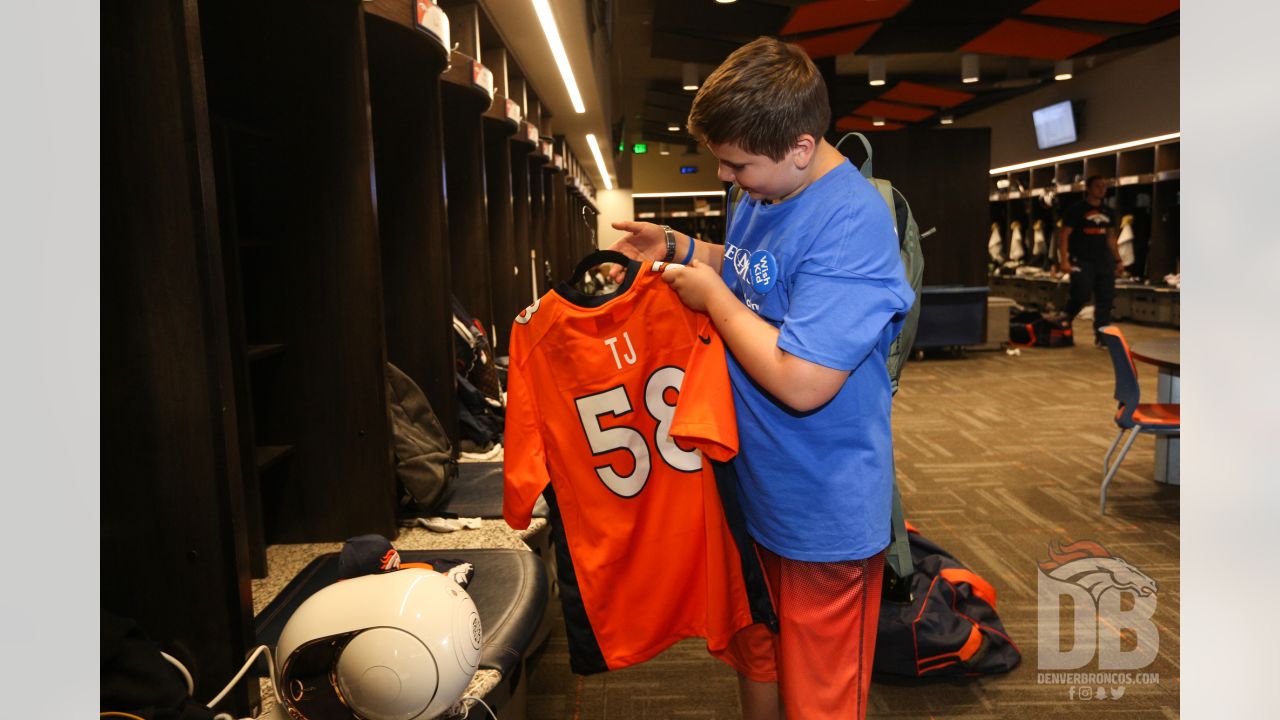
(1132, 415)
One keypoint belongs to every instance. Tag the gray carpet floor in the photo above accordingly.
(997, 456)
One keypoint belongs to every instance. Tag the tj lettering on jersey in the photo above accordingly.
(629, 355)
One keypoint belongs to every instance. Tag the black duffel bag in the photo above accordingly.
(1030, 328)
(948, 627)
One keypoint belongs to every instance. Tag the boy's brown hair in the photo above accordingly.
(761, 98)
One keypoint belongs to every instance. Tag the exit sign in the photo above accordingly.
(688, 169)
(640, 148)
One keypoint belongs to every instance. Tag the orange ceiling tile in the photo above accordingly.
(1138, 12)
(853, 123)
(838, 13)
(878, 108)
(838, 43)
(1024, 39)
(920, 94)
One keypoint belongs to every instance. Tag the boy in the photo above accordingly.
(807, 292)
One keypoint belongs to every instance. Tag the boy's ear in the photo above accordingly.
(804, 150)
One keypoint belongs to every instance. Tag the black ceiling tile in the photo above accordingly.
(986, 100)
(1149, 35)
(895, 38)
(1094, 27)
(693, 48)
(747, 18)
(940, 25)
(657, 132)
(671, 99)
(958, 12)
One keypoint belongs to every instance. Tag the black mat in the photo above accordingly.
(477, 492)
(510, 590)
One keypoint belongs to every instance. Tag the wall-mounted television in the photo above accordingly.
(1055, 125)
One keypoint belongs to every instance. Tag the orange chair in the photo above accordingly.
(1132, 415)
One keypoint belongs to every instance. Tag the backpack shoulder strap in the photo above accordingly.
(865, 167)
(898, 564)
(886, 193)
(731, 202)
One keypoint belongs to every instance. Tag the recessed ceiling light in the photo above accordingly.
(875, 71)
(969, 68)
(946, 119)
(673, 127)
(1062, 70)
(690, 76)
(878, 122)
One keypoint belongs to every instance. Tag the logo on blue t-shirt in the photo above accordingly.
(764, 271)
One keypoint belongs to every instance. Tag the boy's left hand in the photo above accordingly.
(695, 283)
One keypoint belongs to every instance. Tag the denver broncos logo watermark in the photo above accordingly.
(1109, 599)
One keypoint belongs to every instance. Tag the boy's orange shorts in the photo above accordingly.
(822, 654)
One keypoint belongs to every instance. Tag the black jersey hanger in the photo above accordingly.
(599, 257)
(567, 290)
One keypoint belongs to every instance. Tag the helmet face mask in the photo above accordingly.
(395, 646)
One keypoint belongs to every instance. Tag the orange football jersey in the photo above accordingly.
(614, 401)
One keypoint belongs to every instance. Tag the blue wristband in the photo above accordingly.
(692, 244)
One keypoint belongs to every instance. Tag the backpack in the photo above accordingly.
(898, 564)
(1030, 328)
(425, 468)
(480, 418)
(909, 237)
(947, 627)
(473, 356)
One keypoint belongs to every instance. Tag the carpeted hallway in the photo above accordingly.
(997, 456)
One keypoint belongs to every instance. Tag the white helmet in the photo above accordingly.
(393, 646)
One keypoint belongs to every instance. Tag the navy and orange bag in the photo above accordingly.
(1031, 328)
(947, 626)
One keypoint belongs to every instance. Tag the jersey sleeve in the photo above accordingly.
(704, 416)
(524, 464)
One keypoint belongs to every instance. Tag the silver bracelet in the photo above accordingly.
(671, 243)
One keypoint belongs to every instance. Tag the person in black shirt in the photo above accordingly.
(1087, 249)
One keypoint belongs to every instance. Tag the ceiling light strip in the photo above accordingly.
(595, 152)
(689, 193)
(557, 50)
(1084, 153)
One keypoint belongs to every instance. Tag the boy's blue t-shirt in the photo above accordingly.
(825, 269)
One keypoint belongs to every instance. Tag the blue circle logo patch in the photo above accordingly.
(763, 272)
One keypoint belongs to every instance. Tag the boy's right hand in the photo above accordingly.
(643, 241)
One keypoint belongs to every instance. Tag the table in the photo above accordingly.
(1164, 354)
